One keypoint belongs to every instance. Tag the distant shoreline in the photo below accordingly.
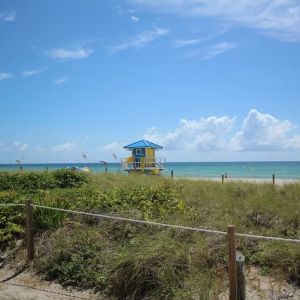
(278, 181)
(285, 172)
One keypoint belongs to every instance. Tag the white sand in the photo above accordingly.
(251, 180)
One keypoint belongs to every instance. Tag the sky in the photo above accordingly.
(210, 80)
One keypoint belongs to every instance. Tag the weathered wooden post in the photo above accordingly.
(273, 178)
(241, 285)
(222, 178)
(29, 230)
(232, 263)
(172, 174)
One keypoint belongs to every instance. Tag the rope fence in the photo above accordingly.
(12, 204)
(235, 259)
(202, 230)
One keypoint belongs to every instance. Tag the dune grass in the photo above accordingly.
(130, 261)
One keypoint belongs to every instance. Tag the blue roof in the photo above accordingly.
(143, 144)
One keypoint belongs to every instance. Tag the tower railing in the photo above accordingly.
(139, 163)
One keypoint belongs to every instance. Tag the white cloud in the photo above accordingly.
(64, 147)
(69, 54)
(5, 76)
(8, 16)
(278, 18)
(15, 145)
(23, 147)
(40, 149)
(190, 42)
(212, 51)
(195, 135)
(19, 146)
(28, 73)
(259, 132)
(141, 40)
(263, 132)
(61, 80)
(135, 19)
(111, 147)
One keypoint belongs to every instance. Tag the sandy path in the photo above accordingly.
(28, 286)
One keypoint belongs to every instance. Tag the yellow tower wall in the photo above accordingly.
(150, 152)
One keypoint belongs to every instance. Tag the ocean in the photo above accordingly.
(259, 170)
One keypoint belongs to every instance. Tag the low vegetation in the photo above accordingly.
(135, 261)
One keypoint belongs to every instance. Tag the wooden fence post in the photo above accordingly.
(172, 174)
(232, 263)
(222, 178)
(273, 178)
(241, 285)
(29, 230)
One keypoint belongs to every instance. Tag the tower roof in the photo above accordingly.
(143, 144)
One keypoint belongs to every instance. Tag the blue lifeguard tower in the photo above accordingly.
(143, 159)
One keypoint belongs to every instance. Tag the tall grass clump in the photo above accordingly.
(148, 265)
(75, 256)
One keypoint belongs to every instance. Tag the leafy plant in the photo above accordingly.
(11, 225)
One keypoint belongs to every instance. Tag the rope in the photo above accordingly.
(12, 204)
(133, 220)
(203, 230)
(262, 237)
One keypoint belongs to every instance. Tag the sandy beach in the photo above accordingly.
(246, 180)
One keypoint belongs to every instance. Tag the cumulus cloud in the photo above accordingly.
(23, 147)
(15, 145)
(259, 132)
(70, 54)
(5, 75)
(143, 39)
(112, 147)
(280, 18)
(263, 132)
(64, 147)
(40, 149)
(195, 135)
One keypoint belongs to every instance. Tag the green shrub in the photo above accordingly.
(153, 202)
(65, 178)
(33, 181)
(11, 225)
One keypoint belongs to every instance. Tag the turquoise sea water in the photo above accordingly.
(282, 170)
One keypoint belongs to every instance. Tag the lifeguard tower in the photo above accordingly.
(143, 159)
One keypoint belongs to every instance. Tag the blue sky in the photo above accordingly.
(209, 80)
